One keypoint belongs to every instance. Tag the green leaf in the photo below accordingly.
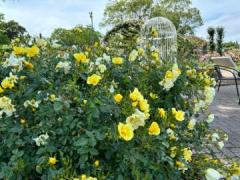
(57, 106)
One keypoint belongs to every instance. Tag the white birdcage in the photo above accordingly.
(160, 33)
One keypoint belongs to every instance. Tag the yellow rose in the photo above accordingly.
(179, 115)
(144, 106)
(154, 129)
(1, 90)
(187, 154)
(22, 121)
(52, 160)
(28, 65)
(32, 51)
(169, 75)
(93, 79)
(173, 151)
(83, 177)
(140, 51)
(96, 163)
(162, 113)
(81, 58)
(134, 104)
(52, 98)
(7, 84)
(118, 98)
(125, 131)
(117, 60)
(174, 111)
(136, 95)
(84, 101)
(155, 56)
(181, 165)
(18, 50)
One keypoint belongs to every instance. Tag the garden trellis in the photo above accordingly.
(161, 33)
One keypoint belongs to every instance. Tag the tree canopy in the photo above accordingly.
(79, 35)
(181, 12)
(10, 30)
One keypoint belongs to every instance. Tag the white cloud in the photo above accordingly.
(224, 13)
(45, 15)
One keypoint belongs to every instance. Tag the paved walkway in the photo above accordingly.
(227, 117)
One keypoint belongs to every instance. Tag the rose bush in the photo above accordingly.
(71, 113)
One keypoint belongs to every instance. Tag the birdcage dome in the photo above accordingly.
(161, 33)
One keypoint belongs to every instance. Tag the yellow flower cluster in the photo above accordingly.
(187, 154)
(9, 82)
(6, 106)
(81, 58)
(29, 51)
(94, 79)
(170, 77)
(138, 100)
(137, 119)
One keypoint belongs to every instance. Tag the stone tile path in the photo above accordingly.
(227, 117)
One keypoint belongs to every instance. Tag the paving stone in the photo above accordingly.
(227, 117)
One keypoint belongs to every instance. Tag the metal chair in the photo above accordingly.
(220, 77)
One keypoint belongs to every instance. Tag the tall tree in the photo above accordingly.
(10, 30)
(185, 17)
(211, 36)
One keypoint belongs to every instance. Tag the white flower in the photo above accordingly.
(168, 83)
(133, 55)
(66, 66)
(225, 137)
(209, 94)
(13, 61)
(210, 118)
(32, 103)
(98, 60)
(41, 140)
(111, 89)
(41, 42)
(191, 124)
(102, 68)
(212, 174)
(215, 137)
(235, 177)
(170, 131)
(106, 58)
(137, 119)
(6, 106)
(220, 144)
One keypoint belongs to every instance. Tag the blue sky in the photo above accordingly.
(45, 15)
